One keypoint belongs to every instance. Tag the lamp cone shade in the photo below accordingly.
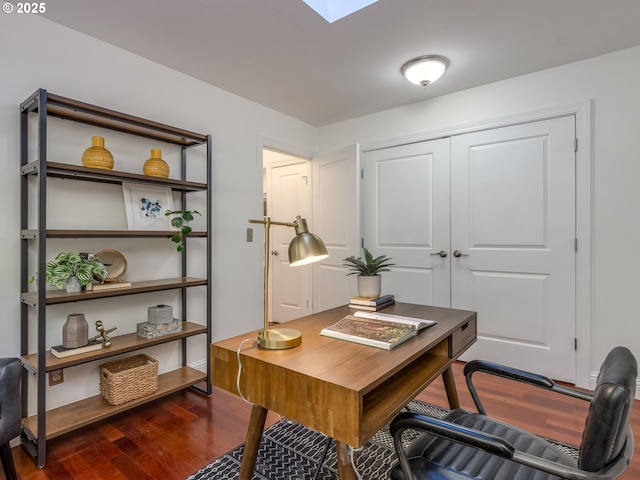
(306, 248)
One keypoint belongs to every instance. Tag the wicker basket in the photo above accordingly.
(128, 379)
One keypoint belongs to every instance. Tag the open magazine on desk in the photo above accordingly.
(381, 330)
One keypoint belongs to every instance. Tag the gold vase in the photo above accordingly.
(156, 166)
(96, 156)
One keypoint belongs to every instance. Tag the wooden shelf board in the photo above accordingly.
(33, 234)
(120, 344)
(78, 172)
(79, 414)
(61, 296)
(67, 108)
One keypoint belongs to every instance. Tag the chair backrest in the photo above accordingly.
(10, 371)
(607, 423)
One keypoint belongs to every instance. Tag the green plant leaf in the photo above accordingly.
(67, 264)
(178, 221)
(369, 266)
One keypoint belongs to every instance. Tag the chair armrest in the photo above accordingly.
(514, 374)
(497, 446)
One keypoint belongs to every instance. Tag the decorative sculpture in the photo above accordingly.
(106, 341)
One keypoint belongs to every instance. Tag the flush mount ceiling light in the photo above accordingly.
(424, 70)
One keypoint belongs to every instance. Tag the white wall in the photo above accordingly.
(39, 54)
(36, 54)
(611, 84)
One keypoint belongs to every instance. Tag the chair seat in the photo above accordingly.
(453, 461)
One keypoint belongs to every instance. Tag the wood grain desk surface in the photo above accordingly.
(343, 389)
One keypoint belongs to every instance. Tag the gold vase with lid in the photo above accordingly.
(96, 156)
(156, 166)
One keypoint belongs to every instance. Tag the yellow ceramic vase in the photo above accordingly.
(156, 166)
(96, 156)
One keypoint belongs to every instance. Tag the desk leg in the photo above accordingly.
(345, 470)
(450, 388)
(254, 435)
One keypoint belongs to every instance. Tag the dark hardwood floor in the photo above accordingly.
(174, 437)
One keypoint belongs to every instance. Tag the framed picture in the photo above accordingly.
(146, 206)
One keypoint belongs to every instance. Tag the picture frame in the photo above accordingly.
(146, 206)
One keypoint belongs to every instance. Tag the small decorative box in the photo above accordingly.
(160, 314)
(154, 330)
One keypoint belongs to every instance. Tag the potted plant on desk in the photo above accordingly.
(368, 271)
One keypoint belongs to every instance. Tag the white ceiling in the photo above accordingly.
(282, 54)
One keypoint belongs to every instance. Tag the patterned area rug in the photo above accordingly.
(290, 451)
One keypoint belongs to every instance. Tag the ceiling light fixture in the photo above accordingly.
(424, 70)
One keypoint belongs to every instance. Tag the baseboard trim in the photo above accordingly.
(199, 365)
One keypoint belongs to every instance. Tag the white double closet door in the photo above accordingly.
(484, 221)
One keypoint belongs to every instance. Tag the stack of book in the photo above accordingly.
(372, 304)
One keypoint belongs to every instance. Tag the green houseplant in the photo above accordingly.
(180, 220)
(60, 271)
(368, 271)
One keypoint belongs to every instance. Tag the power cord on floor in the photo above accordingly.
(353, 460)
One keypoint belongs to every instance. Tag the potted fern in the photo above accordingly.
(72, 271)
(368, 271)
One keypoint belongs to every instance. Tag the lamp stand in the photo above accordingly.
(275, 338)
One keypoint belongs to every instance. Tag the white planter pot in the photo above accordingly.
(369, 286)
(72, 285)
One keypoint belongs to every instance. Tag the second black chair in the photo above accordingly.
(10, 416)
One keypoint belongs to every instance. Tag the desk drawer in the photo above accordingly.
(462, 337)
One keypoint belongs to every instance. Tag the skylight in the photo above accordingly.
(332, 10)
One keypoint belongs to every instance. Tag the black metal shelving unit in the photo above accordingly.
(61, 420)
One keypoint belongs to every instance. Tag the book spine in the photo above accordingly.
(371, 302)
(371, 308)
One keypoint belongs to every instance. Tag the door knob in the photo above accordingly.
(458, 253)
(442, 253)
(274, 252)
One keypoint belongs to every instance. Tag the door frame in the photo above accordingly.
(583, 115)
(302, 156)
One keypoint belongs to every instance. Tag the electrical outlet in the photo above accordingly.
(56, 377)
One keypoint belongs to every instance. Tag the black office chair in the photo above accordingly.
(10, 416)
(464, 445)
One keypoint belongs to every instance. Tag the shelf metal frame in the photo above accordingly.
(44, 104)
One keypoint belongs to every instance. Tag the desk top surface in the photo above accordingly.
(359, 367)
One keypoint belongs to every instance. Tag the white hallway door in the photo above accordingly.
(289, 195)
(335, 220)
(507, 226)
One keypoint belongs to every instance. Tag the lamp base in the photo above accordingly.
(279, 338)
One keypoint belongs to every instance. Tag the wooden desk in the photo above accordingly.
(345, 390)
